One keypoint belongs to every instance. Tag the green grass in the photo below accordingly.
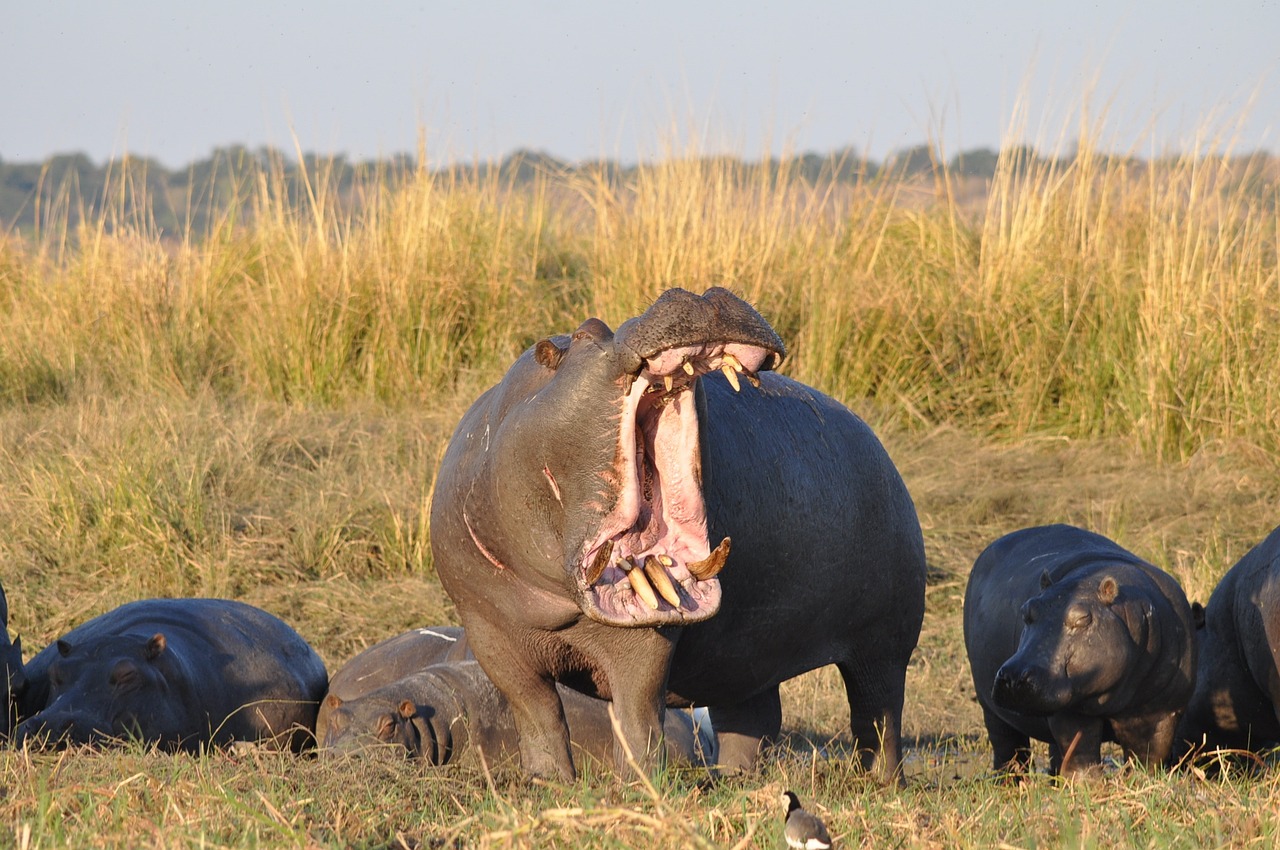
(257, 412)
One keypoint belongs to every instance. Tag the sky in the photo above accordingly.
(632, 80)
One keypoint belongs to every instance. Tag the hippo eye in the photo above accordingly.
(1079, 618)
(386, 728)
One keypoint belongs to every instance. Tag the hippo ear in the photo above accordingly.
(548, 354)
(408, 709)
(64, 648)
(1197, 615)
(1108, 590)
(155, 646)
(1045, 580)
(333, 700)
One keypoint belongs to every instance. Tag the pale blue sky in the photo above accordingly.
(625, 79)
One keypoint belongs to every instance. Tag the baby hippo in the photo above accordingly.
(1237, 696)
(180, 673)
(1075, 641)
(446, 711)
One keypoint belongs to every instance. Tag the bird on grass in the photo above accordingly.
(803, 831)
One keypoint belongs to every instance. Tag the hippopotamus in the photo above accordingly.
(14, 682)
(179, 673)
(1076, 641)
(390, 660)
(445, 712)
(573, 521)
(1236, 702)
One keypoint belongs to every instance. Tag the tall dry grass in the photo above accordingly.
(1093, 295)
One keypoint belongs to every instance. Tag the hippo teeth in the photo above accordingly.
(601, 561)
(640, 584)
(661, 581)
(710, 566)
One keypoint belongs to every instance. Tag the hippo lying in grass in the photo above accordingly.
(1076, 641)
(653, 517)
(1236, 704)
(450, 711)
(180, 673)
(389, 661)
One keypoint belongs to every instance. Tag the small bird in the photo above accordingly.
(804, 831)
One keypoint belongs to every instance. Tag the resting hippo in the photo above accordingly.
(1236, 701)
(1075, 641)
(12, 679)
(181, 673)
(443, 712)
(573, 516)
(389, 660)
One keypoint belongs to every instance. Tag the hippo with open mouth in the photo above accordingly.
(654, 517)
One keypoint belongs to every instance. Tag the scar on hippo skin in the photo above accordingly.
(1075, 641)
(1236, 703)
(643, 501)
(211, 672)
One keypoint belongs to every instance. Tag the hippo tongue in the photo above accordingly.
(650, 562)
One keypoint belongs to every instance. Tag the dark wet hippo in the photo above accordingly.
(448, 711)
(12, 679)
(573, 523)
(181, 673)
(1075, 641)
(390, 660)
(1236, 704)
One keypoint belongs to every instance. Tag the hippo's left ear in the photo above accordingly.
(548, 354)
(155, 646)
(1108, 590)
(1045, 580)
(408, 709)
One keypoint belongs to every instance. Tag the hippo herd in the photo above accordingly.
(638, 522)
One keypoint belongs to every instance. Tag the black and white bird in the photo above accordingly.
(803, 831)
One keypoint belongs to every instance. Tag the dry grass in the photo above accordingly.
(257, 412)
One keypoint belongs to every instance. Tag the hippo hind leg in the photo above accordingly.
(875, 695)
(744, 728)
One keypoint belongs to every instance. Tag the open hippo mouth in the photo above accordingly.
(650, 562)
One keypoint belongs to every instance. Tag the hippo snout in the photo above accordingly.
(1027, 689)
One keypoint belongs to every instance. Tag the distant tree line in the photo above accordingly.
(67, 189)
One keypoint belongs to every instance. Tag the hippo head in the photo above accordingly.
(1079, 640)
(106, 691)
(369, 725)
(608, 429)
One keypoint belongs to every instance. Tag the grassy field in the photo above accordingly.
(257, 412)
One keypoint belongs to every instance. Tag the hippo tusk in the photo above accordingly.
(667, 382)
(753, 378)
(601, 561)
(710, 566)
(639, 583)
(688, 368)
(661, 581)
(731, 376)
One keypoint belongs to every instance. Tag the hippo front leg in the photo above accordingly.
(635, 664)
(744, 728)
(1147, 739)
(1077, 743)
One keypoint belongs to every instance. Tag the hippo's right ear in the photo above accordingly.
(64, 648)
(1045, 580)
(155, 646)
(333, 700)
(1197, 615)
(408, 709)
(548, 354)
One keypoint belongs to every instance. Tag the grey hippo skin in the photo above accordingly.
(13, 682)
(180, 673)
(390, 660)
(1076, 641)
(449, 711)
(1237, 695)
(586, 506)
